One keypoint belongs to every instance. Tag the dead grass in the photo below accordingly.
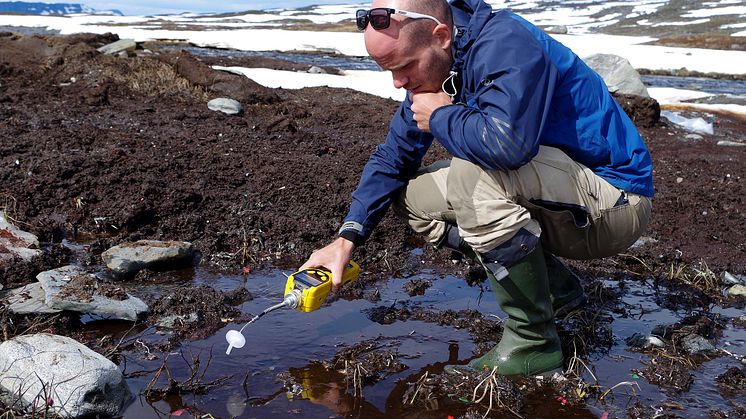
(8, 208)
(195, 383)
(697, 275)
(152, 78)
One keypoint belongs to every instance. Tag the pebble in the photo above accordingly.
(738, 290)
(316, 70)
(695, 344)
(727, 278)
(726, 143)
(656, 341)
(225, 105)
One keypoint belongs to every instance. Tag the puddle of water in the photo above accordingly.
(289, 340)
(718, 86)
(286, 340)
(339, 62)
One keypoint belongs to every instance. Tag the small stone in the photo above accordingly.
(738, 290)
(694, 137)
(557, 29)
(655, 341)
(727, 278)
(726, 143)
(679, 179)
(225, 105)
(122, 45)
(316, 70)
(695, 344)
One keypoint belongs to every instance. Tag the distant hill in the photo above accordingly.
(51, 8)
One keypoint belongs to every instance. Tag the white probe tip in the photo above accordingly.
(235, 340)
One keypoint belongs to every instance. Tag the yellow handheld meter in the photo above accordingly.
(311, 286)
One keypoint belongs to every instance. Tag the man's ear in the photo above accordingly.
(442, 33)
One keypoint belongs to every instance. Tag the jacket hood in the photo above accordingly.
(469, 17)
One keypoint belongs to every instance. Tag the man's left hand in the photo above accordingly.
(424, 104)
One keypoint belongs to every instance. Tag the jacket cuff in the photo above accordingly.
(352, 231)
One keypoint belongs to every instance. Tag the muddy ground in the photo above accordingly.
(97, 150)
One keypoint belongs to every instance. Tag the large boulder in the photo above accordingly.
(618, 74)
(55, 373)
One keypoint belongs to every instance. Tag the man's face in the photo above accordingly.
(419, 66)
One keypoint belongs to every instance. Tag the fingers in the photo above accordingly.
(333, 257)
(337, 273)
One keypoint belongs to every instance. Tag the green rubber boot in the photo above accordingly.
(530, 344)
(564, 287)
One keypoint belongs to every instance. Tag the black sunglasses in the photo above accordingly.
(380, 17)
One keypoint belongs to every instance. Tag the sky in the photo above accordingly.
(141, 7)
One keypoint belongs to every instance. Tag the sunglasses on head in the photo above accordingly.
(380, 17)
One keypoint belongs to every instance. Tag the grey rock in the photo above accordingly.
(226, 106)
(122, 45)
(15, 243)
(557, 29)
(80, 382)
(28, 300)
(738, 290)
(655, 341)
(128, 258)
(726, 143)
(638, 340)
(71, 288)
(316, 70)
(727, 278)
(694, 137)
(643, 241)
(695, 344)
(618, 74)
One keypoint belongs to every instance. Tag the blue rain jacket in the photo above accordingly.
(517, 88)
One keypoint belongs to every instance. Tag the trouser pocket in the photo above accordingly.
(619, 227)
(564, 232)
(612, 232)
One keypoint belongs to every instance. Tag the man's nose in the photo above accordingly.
(399, 80)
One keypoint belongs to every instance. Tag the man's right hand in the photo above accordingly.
(333, 257)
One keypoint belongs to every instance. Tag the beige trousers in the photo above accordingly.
(576, 213)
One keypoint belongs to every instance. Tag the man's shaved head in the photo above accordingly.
(416, 50)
